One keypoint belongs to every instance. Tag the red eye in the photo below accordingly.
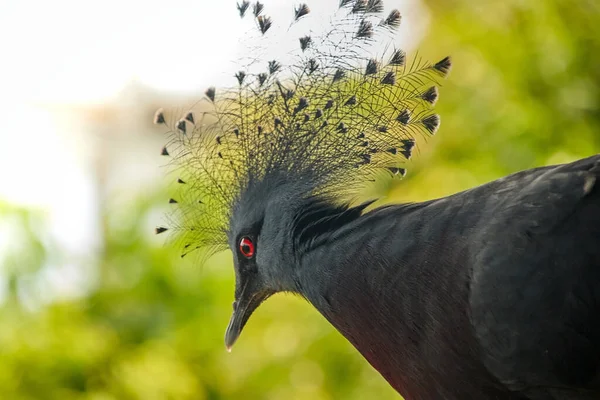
(247, 247)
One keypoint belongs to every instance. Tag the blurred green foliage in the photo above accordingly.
(524, 92)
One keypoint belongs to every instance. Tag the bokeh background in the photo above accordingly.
(94, 306)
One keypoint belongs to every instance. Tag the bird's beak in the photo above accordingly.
(249, 295)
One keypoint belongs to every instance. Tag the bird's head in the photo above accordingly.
(269, 167)
(261, 239)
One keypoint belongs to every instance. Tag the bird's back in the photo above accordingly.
(535, 291)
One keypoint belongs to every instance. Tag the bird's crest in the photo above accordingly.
(334, 118)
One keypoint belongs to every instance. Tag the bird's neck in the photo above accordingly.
(349, 279)
(374, 279)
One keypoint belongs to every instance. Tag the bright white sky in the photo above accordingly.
(69, 53)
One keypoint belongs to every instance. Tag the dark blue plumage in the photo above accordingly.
(492, 293)
(489, 293)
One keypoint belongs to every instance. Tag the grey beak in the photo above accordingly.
(248, 300)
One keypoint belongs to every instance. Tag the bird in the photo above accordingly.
(489, 293)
